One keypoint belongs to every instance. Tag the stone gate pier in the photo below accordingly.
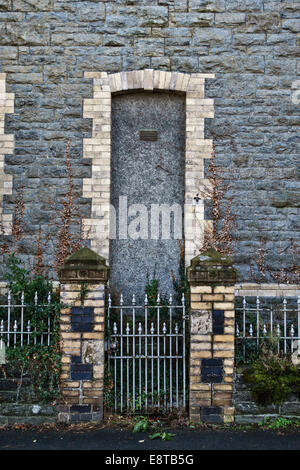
(82, 323)
(212, 278)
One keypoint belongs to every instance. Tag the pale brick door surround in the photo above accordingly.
(98, 148)
(6, 147)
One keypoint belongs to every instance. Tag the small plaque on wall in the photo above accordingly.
(149, 135)
(82, 318)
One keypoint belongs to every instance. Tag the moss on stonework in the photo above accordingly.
(212, 257)
(272, 379)
(85, 256)
(81, 264)
(217, 266)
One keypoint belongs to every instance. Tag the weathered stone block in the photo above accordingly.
(266, 21)
(76, 39)
(291, 24)
(90, 12)
(32, 5)
(211, 37)
(230, 18)
(153, 16)
(8, 52)
(192, 19)
(93, 352)
(201, 322)
(214, 6)
(290, 408)
(24, 34)
(5, 5)
(150, 47)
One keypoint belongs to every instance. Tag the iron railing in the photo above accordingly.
(262, 320)
(147, 355)
(18, 324)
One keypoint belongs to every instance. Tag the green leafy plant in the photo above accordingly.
(164, 436)
(142, 424)
(277, 423)
(247, 351)
(108, 394)
(272, 378)
(42, 362)
(19, 280)
(181, 286)
(152, 291)
(83, 292)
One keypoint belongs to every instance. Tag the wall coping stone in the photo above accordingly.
(84, 265)
(211, 267)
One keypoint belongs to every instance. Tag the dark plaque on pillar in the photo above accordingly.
(82, 318)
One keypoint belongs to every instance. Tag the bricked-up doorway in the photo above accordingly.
(99, 148)
(147, 168)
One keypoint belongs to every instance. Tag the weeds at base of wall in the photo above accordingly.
(152, 425)
(281, 425)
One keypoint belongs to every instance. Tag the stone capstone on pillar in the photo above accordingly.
(86, 266)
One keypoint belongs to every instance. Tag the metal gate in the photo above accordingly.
(146, 356)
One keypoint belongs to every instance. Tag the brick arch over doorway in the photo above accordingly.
(98, 148)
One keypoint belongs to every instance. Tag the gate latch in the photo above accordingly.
(185, 317)
(113, 345)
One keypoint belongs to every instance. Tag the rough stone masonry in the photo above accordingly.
(252, 47)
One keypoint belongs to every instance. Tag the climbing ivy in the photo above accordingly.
(181, 286)
(152, 290)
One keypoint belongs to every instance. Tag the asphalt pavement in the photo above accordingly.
(114, 441)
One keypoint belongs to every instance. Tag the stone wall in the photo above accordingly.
(251, 46)
(29, 411)
(19, 401)
(247, 411)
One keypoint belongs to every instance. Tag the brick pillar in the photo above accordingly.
(82, 280)
(212, 278)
